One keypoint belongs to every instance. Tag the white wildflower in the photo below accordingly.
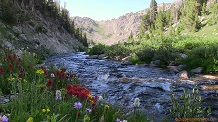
(58, 95)
(100, 98)
(137, 102)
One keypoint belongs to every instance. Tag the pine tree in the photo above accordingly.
(159, 23)
(85, 41)
(190, 15)
(145, 24)
(153, 12)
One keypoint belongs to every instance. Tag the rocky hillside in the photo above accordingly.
(36, 32)
(115, 30)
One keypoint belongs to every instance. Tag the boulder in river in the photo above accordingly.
(92, 57)
(197, 70)
(183, 74)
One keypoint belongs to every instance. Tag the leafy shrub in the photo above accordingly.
(188, 105)
(118, 50)
(97, 49)
(145, 54)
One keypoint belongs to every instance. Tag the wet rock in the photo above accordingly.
(181, 67)
(157, 62)
(173, 63)
(126, 63)
(183, 74)
(173, 68)
(92, 57)
(102, 56)
(197, 70)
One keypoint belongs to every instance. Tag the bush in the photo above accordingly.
(119, 51)
(97, 49)
(188, 105)
(145, 54)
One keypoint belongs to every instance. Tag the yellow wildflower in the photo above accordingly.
(30, 119)
(91, 101)
(43, 110)
(63, 89)
(40, 85)
(48, 110)
(107, 106)
(86, 118)
(11, 79)
(39, 71)
(24, 80)
(89, 95)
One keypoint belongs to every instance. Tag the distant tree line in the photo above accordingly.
(187, 15)
(13, 12)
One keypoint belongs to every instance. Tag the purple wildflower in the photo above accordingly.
(77, 105)
(3, 118)
(88, 110)
(118, 120)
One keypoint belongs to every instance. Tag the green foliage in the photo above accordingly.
(118, 51)
(8, 13)
(40, 29)
(145, 54)
(97, 49)
(188, 105)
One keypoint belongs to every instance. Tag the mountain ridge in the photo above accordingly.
(115, 30)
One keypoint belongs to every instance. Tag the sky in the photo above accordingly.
(106, 9)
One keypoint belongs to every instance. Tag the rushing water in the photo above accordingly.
(123, 83)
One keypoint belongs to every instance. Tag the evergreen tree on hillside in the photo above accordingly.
(145, 24)
(84, 40)
(159, 23)
(190, 15)
(153, 13)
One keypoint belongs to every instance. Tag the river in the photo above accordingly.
(121, 84)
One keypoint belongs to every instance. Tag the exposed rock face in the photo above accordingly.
(115, 30)
(44, 31)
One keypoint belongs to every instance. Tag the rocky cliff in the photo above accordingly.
(115, 30)
(38, 32)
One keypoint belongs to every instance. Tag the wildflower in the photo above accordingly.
(3, 118)
(89, 95)
(1, 71)
(30, 119)
(43, 110)
(45, 72)
(48, 110)
(78, 114)
(136, 102)
(52, 75)
(86, 118)
(63, 89)
(39, 71)
(107, 106)
(49, 83)
(100, 98)
(11, 79)
(20, 75)
(118, 120)
(88, 110)
(58, 95)
(77, 105)
(24, 80)
(10, 67)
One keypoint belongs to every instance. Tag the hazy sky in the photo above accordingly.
(106, 9)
